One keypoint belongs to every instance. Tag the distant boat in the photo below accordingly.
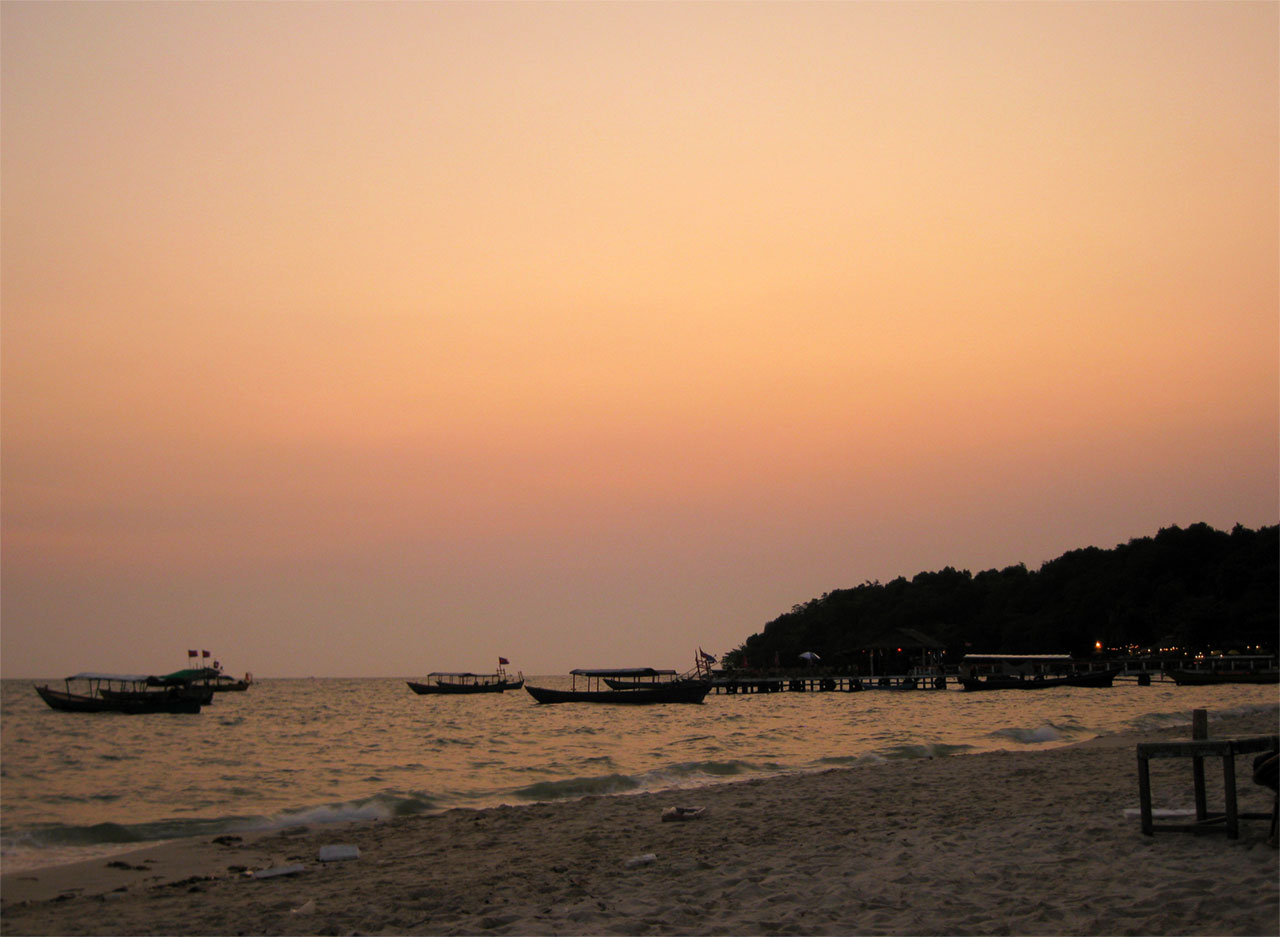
(1214, 677)
(124, 693)
(1030, 672)
(463, 683)
(628, 685)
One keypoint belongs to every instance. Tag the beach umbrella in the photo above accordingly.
(810, 657)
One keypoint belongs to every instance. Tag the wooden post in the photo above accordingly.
(1229, 785)
(1144, 792)
(1199, 730)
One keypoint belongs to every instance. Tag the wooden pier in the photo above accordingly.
(831, 684)
(1142, 671)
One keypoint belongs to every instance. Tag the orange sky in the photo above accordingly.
(365, 339)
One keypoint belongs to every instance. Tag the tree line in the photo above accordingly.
(1194, 588)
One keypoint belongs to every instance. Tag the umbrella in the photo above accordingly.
(810, 656)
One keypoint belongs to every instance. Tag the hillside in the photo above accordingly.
(1190, 588)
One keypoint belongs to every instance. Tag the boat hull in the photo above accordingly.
(1212, 678)
(682, 692)
(455, 689)
(1096, 678)
(423, 689)
(121, 702)
(462, 690)
(144, 698)
(624, 684)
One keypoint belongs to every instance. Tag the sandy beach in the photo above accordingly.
(1004, 843)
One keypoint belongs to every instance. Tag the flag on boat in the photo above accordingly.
(709, 658)
(502, 661)
(191, 653)
(204, 653)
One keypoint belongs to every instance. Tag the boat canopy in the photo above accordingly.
(122, 677)
(187, 676)
(624, 672)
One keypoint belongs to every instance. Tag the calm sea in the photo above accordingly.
(287, 752)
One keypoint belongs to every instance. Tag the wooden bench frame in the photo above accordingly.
(1198, 750)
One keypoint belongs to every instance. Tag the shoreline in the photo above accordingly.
(35, 860)
(994, 842)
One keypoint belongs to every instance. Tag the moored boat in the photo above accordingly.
(1215, 677)
(633, 685)
(676, 691)
(440, 682)
(1030, 672)
(123, 693)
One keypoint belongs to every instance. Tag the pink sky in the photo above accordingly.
(373, 339)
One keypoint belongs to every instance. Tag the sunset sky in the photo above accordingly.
(366, 339)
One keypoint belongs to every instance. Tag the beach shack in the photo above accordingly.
(900, 650)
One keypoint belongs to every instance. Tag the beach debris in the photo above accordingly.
(226, 840)
(682, 813)
(191, 883)
(336, 853)
(277, 870)
(307, 907)
(636, 861)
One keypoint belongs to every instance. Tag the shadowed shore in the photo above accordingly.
(999, 843)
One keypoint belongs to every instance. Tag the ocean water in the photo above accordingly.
(288, 752)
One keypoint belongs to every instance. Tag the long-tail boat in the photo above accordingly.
(1030, 672)
(462, 683)
(123, 693)
(1214, 677)
(632, 685)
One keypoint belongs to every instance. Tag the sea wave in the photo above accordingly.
(1032, 736)
(573, 788)
(920, 750)
(716, 769)
(1178, 718)
(679, 775)
(380, 806)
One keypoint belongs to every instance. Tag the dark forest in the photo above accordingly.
(1194, 588)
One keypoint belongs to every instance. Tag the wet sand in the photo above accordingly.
(1043, 842)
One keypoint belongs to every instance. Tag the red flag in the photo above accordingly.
(191, 653)
(502, 661)
(204, 653)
